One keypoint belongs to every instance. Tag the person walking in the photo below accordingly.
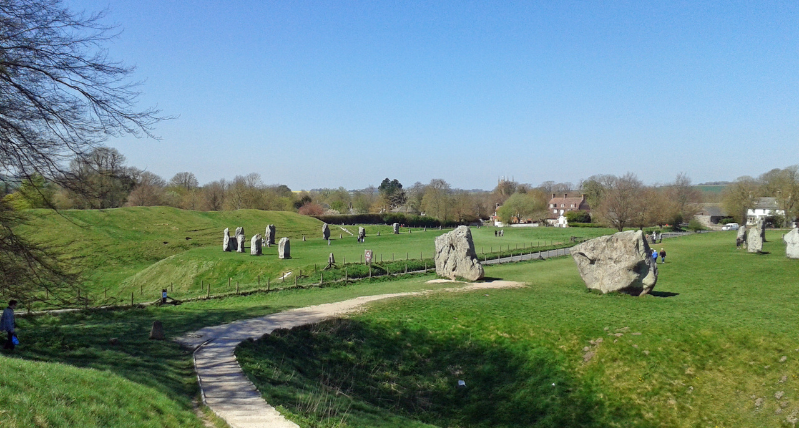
(655, 256)
(662, 255)
(8, 324)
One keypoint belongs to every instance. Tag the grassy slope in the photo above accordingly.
(109, 246)
(144, 249)
(710, 345)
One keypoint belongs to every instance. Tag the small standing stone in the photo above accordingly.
(754, 238)
(227, 243)
(396, 228)
(157, 332)
(240, 239)
(269, 235)
(255, 245)
(361, 234)
(792, 239)
(284, 248)
(325, 231)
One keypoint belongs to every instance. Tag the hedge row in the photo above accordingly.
(406, 219)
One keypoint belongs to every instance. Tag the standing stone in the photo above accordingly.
(455, 255)
(754, 238)
(269, 235)
(762, 225)
(741, 236)
(157, 331)
(378, 233)
(620, 262)
(227, 243)
(240, 239)
(792, 239)
(284, 248)
(255, 245)
(396, 228)
(303, 238)
(325, 231)
(361, 234)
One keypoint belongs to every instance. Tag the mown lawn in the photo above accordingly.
(716, 345)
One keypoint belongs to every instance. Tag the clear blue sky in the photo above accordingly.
(344, 93)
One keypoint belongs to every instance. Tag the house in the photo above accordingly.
(709, 215)
(764, 207)
(558, 206)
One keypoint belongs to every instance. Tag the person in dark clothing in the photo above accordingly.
(662, 255)
(8, 324)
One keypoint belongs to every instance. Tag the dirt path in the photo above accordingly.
(225, 388)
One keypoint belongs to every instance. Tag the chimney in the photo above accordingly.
(553, 196)
(565, 195)
(582, 197)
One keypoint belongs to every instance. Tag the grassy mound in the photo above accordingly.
(714, 346)
(37, 394)
(109, 246)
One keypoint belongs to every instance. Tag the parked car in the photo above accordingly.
(730, 226)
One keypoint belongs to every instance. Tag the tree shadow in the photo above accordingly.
(364, 370)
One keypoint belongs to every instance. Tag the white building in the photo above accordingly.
(764, 207)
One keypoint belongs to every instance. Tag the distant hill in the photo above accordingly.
(711, 188)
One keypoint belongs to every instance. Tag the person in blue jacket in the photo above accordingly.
(8, 325)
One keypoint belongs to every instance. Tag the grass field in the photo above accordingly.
(715, 346)
(139, 251)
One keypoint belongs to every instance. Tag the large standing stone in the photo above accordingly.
(284, 248)
(269, 235)
(240, 239)
(361, 234)
(396, 228)
(255, 245)
(227, 243)
(157, 331)
(455, 255)
(792, 239)
(620, 262)
(754, 239)
(325, 231)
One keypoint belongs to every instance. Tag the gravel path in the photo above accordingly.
(225, 388)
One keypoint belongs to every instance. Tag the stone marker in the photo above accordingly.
(303, 238)
(325, 231)
(240, 240)
(255, 246)
(741, 236)
(396, 228)
(792, 239)
(378, 233)
(157, 332)
(455, 255)
(754, 238)
(269, 235)
(284, 248)
(361, 234)
(620, 262)
(762, 226)
(227, 243)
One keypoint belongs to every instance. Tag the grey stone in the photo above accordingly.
(792, 239)
(325, 231)
(157, 331)
(361, 234)
(240, 240)
(741, 236)
(754, 238)
(620, 262)
(255, 245)
(227, 243)
(455, 256)
(269, 235)
(396, 228)
(284, 248)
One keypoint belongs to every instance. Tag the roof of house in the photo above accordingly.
(713, 210)
(567, 200)
(767, 203)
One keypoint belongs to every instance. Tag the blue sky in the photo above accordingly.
(345, 93)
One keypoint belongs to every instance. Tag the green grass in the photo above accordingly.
(700, 352)
(66, 373)
(139, 251)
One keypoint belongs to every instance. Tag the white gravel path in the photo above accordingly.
(225, 388)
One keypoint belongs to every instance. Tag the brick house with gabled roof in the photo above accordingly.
(560, 205)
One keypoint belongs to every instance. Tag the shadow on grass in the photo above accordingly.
(366, 373)
(663, 293)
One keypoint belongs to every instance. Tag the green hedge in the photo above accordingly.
(410, 220)
(585, 225)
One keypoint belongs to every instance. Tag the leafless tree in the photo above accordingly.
(622, 202)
